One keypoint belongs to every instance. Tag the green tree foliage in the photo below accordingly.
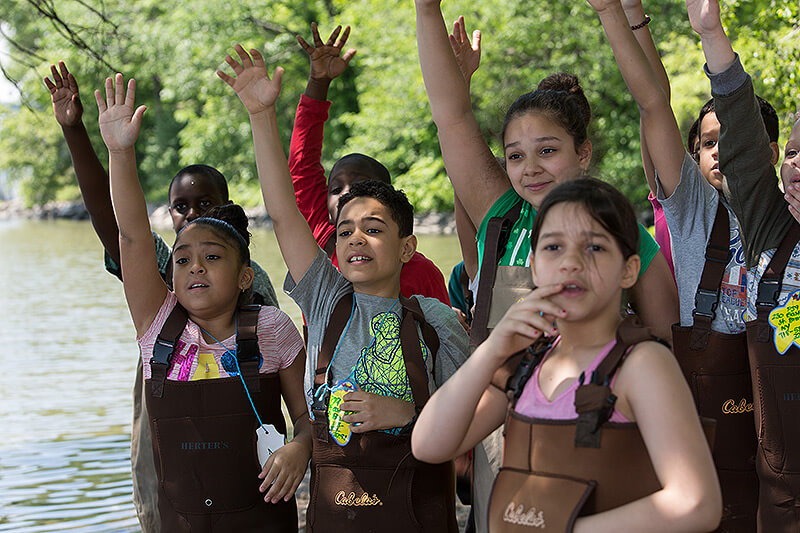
(380, 107)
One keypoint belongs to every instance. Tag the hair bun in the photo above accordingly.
(234, 215)
(568, 83)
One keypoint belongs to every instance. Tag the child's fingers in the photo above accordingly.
(244, 56)
(130, 95)
(237, 68)
(315, 35)
(50, 86)
(73, 85)
(138, 114)
(63, 68)
(101, 104)
(56, 75)
(109, 92)
(277, 76)
(258, 59)
(307, 47)
(348, 55)
(334, 35)
(268, 473)
(119, 93)
(462, 30)
(295, 482)
(476, 40)
(343, 38)
(226, 78)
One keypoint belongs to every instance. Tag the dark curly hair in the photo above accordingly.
(210, 173)
(560, 98)
(395, 200)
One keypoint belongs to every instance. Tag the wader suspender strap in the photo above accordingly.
(512, 376)
(336, 324)
(498, 230)
(769, 288)
(409, 342)
(707, 297)
(247, 351)
(412, 352)
(594, 400)
(164, 348)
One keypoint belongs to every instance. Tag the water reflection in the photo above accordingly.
(68, 355)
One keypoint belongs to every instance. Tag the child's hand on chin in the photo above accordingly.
(525, 321)
(284, 470)
(374, 412)
(792, 196)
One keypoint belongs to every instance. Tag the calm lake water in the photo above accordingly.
(68, 356)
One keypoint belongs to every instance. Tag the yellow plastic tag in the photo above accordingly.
(785, 320)
(338, 428)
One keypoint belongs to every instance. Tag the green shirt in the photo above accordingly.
(519, 242)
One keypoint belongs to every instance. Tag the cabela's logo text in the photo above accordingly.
(516, 514)
(730, 407)
(351, 500)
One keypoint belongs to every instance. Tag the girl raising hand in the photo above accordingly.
(215, 367)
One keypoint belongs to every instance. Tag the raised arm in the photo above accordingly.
(92, 177)
(119, 125)
(657, 120)
(305, 152)
(745, 155)
(259, 93)
(477, 178)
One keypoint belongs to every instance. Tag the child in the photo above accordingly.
(584, 244)
(362, 338)
(710, 341)
(205, 433)
(193, 190)
(772, 250)
(545, 143)
(317, 201)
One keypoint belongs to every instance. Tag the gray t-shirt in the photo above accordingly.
(690, 213)
(369, 350)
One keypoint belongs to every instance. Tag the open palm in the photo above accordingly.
(704, 15)
(252, 83)
(327, 61)
(63, 89)
(119, 122)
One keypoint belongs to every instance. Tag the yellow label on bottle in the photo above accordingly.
(785, 320)
(339, 429)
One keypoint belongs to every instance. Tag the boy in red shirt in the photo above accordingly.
(317, 200)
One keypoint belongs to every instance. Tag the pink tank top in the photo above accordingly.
(533, 404)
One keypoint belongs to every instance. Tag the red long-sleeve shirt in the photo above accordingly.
(419, 275)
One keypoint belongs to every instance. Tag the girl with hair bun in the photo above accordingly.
(215, 368)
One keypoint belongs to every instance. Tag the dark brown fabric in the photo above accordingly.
(776, 387)
(716, 369)
(373, 483)
(337, 322)
(204, 444)
(497, 230)
(568, 468)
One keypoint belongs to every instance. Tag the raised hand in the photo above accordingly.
(63, 89)
(468, 54)
(704, 15)
(327, 61)
(252, 83)
(119, 122)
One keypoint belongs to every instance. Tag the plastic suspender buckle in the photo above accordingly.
(705, 303)
(768, 291)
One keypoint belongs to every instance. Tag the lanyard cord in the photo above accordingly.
(236, 360)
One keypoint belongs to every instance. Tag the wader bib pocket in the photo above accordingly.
(511, 284)
(569, 468)
(526, 501)
(373, 482)
(779, 428)
(200, 464)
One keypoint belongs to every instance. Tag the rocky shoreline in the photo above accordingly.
(424, 223)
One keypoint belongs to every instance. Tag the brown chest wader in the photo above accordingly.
(204, 439)
(373, 483)
(499, 287)
(715, 366)
(557, 470)
(776, 386)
